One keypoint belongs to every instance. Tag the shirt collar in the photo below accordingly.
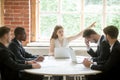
(19, 42)
(111, 47)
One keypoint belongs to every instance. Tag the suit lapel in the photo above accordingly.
(115, 44)
(98, 47)
(20, 47)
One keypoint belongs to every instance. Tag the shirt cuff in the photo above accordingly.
(94, 63)
(91, 65)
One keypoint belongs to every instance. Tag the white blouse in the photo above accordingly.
(58, 44)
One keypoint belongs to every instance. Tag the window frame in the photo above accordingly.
(104, 17)
(1, 12)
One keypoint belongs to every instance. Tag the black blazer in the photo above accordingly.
(100, 55)
(9, 66)
(112, 66)
(19, 51)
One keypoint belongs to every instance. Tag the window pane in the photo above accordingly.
(114, 19)
(49, 5)
(71, 5)
(90, 18)
(93, 6)
(113, 6)
(47, 24)
(71, 24)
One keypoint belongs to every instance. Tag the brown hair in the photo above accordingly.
(54, 34)
(112, 31)
(4, 30)
(88, 32)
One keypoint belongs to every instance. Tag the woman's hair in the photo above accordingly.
(54, 34)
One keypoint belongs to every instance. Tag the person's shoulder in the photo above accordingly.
(117, 44)
(66, 38)
(103, 38)
(3, 51)
(52, 41)
(105, 43)
(12, 43)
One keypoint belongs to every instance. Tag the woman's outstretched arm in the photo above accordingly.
(80, 33)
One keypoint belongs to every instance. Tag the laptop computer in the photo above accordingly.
(61, 53)
(74, 58)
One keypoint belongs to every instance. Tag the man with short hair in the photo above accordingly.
(112, 65)
(99, 56)
(9, 66)
(16, 46)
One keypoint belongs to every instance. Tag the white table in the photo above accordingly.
(61, 67)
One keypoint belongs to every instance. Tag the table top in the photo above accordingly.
(52, 66)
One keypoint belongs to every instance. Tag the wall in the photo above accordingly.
(17, 13)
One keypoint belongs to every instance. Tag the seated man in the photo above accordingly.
(112, 65)
(9, 66)
(16, 46)
(99, 56)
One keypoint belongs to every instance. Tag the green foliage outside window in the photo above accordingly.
(68, 14)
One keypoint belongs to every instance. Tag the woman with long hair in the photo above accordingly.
(58, 39)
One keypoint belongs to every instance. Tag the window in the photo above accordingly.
(113, 13)
(75, 15)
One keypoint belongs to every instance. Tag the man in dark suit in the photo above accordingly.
(9, 66)
(16, 46)
(112, 65)
(99, 56)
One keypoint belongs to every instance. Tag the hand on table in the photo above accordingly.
(31, 62)
(87, 62)
(36, 66)
(39, 59)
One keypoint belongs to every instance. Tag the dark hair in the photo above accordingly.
(112, 31)
(54, 34)
(18, 31)
(88, 32)
(4, 30)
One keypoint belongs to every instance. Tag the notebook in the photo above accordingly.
(74, 58)
(61, 53)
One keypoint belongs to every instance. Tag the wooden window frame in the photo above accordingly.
(1, 12)
(33, 20)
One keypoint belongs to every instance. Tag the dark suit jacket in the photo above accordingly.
(9, 66)
(112, 66)
(19, 51)
(100, 56)
(0, 75)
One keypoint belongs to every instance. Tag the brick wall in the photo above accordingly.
(16, 13)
